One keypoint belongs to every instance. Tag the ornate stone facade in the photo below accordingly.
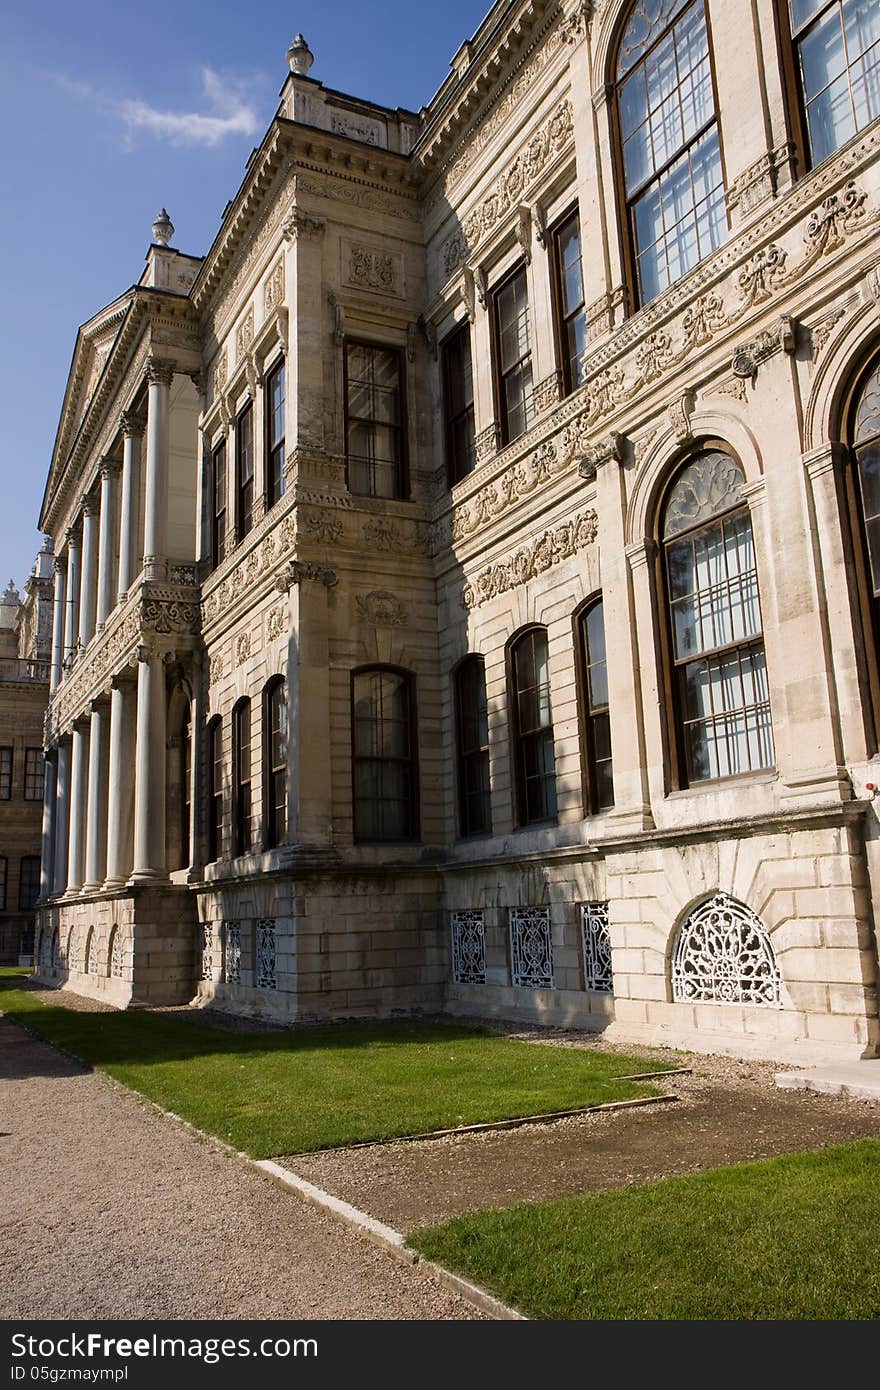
(627, 842)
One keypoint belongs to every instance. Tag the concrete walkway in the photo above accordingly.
(853, 1080)
(110, 1210)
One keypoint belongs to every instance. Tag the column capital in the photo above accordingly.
(159, 371)
(72, 536)
(109, 468)
(89, 506)
(59, 565)
(132, 424)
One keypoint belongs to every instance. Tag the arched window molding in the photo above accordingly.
(717, 687)
(863, 498)
(275, 741)
(531, 723)
(384, 762)
(472, 747)
(241, 777)
(215, 788)
(90, 965)
(671, 171)
(723, 955)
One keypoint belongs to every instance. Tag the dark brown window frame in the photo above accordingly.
(244, 512)
(33, 860)
(273, 453)
(454, 472)
(498, 376)
(4, 881)
(412, 761)
(219, 518)
(402, 429)
(274, 835)
(242, 785)
(185, 754)
(464, 756)
(866, 604)
(519, 739)
(7, 795)
(796, 103)
(41, 766)
(587, 715)
(625, 227)
(560, 318)
(215, 788)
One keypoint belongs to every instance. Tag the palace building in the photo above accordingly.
(467, 594)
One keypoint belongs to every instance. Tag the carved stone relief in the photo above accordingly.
(380, 609)
(273, 289)
(540, 555)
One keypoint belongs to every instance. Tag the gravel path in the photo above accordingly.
(728, 1111)
(110, 1210)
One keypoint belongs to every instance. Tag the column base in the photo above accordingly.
(112, 884)
(91, 887)
(148, 876)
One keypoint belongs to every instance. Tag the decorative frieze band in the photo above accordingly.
(540, 555)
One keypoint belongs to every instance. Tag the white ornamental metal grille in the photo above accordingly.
(266, 954)
(71, 951)
(232, 953)
(531, 950)
(596, 940)
(207, 942)
(56, 950)
(116, 956)
(91, 966)
(723, 956)
(468, 948)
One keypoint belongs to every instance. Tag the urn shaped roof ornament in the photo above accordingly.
(163, 228)
(299, 56)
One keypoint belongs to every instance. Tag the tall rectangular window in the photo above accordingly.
(28, 882)
(375, 430)
(218, 504)
(244, 472)
(275, 406)
(568, 284)
(3, 863)
(472, 736)
(597, 721)
(275, 761)
(838, 51)
(458, 404)
(5, 774)
(384, 783)
(215, 789)
(241, 774)
(534, 752)
(512, 354)
(33, 774)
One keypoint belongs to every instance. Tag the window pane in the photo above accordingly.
(822, 54)
(861, 22)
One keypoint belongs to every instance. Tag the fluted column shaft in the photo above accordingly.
(71, 614)
(132, 430)
(120, 784)
(159, 376)
(96, 806)
(89, 578)
(109, 470)
(78, 784)
(62, 817)
(149, 776)
(58, 624)
(47, 842)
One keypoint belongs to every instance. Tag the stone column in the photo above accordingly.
(96, 811)
(132, 427)
(62, 817)
(89, 576)
(71, 616)
(149, 773)
(47, 843)
(120, 782)
(58, 624)
(77, 831)
(159, 376)
(109, 470)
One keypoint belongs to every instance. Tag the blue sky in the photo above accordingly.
(109, 111)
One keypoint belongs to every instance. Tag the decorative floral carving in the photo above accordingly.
(276, 622)
(298, 224)
(221, 371)
(549, 549)
(821, 331)
(371, 270)
(380, 609)
(215, 668)
(244, 335)
(321, 526)
(273, 289)
(242, 648)
(834, 219)
(703, 320)
(547, 393)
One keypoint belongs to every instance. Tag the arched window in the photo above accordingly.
(71, 952)
(241, 777)
(837, 44)
(384, 775)
(91, 961)
(472, 746)
(215, 788)
(275, 761)
(532, 725)
(669, 140)
(723, 955)
(599, 789)
(115, 955)
(185, 787)
(720, 691)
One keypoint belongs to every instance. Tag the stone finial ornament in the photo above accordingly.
(299, 56)
(163, 228)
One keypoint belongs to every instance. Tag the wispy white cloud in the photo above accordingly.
(226, 112)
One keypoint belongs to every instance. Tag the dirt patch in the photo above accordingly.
(728, 1111)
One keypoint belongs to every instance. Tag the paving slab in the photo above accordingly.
(855, 1080)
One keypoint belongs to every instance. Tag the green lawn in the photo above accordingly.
(793, 1237)
(286, 1092)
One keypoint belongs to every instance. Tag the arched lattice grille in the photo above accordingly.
(72, 963)
(91, 966)
(116, 955)
(723, 956)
